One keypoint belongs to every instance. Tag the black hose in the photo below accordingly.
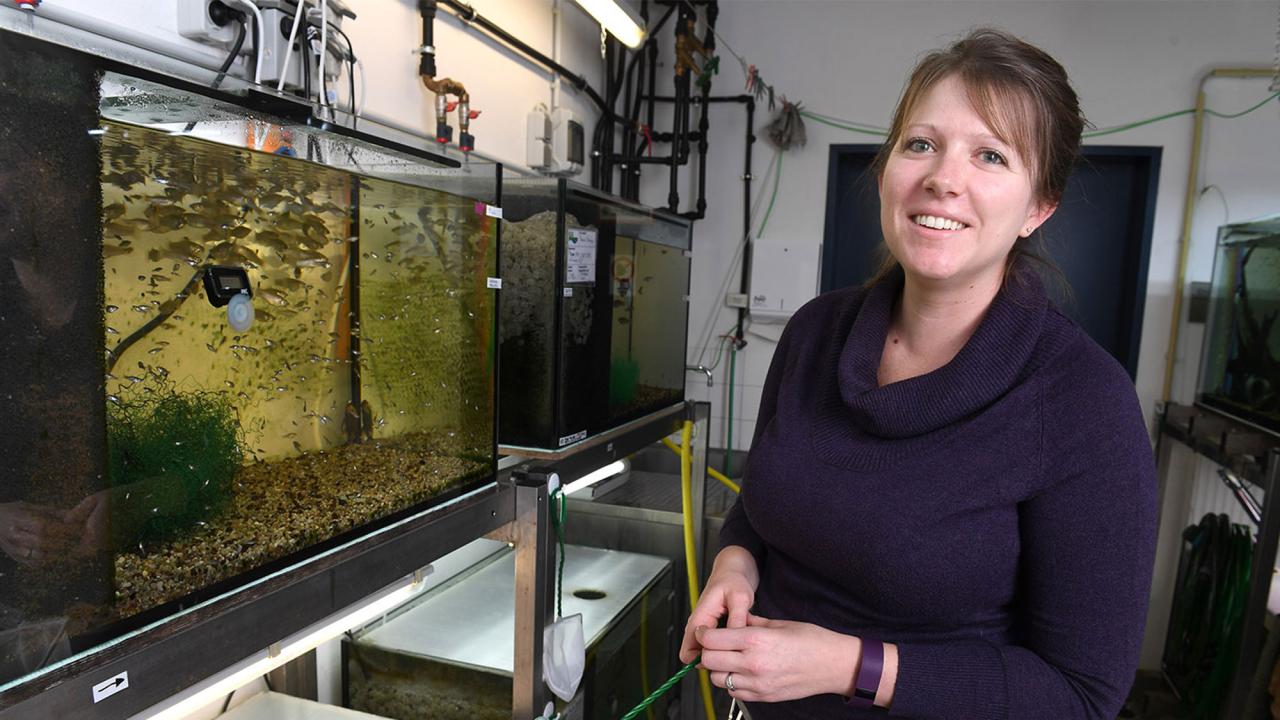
(351, 81)
(166, 311)
(427, 65)
(469, 14)
(226, 64)
(235, 51)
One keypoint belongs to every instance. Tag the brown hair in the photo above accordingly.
(1023, 95)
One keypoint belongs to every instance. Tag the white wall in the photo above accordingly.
(502, 84)
(1129, 60)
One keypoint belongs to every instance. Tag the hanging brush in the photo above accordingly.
(786, 130)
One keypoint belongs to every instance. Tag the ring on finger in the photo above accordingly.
(728, 682)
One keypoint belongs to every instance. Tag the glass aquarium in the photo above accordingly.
(449, 655)
(594, 313)
(1240, 370)
(230, 341)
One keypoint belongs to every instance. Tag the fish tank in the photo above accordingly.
(449, 655)
(594, 313)
(231, 341)
(1240, 368)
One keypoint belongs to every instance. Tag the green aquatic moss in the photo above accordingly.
(172, 460)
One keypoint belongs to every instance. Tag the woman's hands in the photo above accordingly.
(771, 660)
(776, 660)
(731, 591)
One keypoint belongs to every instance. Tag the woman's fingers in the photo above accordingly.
(723, 661)
(723, 638)
(739, 605)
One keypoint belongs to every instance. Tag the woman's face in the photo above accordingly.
(953, 197)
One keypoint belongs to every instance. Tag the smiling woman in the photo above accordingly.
(949, 506)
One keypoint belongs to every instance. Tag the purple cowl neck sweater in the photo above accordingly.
(994, 518)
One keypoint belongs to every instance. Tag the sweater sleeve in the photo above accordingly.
(1087, 539)
(737, 529)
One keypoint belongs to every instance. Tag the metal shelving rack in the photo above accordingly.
(1247, 457)
(530, 530)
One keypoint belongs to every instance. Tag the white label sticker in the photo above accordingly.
(567, 439)
(495, 283)
(493, 211)
(580, 256)
(568, 292)
(107, 688)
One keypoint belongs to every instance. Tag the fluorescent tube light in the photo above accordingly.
(620, 20)
(287, 650)
(595, 476)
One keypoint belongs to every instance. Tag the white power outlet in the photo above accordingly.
(194, 23)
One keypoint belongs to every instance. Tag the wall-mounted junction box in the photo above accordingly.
(555, 142)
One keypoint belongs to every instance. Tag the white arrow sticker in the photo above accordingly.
(107, 688)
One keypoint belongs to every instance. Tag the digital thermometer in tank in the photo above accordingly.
(229, 286)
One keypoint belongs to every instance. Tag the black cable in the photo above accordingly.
(351, 81)
(304, 57)
(227, 704)
(235, 51)
(226, 64)
(166, 310)
(351, 64)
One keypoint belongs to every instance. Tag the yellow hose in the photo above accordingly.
(690, 556)
(710, 470)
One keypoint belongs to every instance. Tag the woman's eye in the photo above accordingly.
(992, 157)
(917, 145)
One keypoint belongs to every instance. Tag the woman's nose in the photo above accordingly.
(946, 176)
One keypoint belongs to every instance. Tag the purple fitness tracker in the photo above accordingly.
(867, 682)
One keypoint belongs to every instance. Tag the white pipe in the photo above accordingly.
(261, 41)
(288, 48)
(363, 87)
(555, 53)
(324, 54)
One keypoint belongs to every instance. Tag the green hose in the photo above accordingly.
(653, 696)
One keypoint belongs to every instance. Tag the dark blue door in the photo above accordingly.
(1100, 237)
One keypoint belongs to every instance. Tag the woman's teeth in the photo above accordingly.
(938, 223)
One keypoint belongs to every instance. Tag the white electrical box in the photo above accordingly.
(555, 142)
(538, 148)
(567, 142)
(784, 276)
(195, 23)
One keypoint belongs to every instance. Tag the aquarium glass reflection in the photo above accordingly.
(1240, 370)
(167, 450)
(594, 313)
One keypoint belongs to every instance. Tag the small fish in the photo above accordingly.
(110, 251)
(271, 200)
(124, 180)
(305, 258)
(113, 211)
(273, 297)
(272, 240)
(288, 285)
